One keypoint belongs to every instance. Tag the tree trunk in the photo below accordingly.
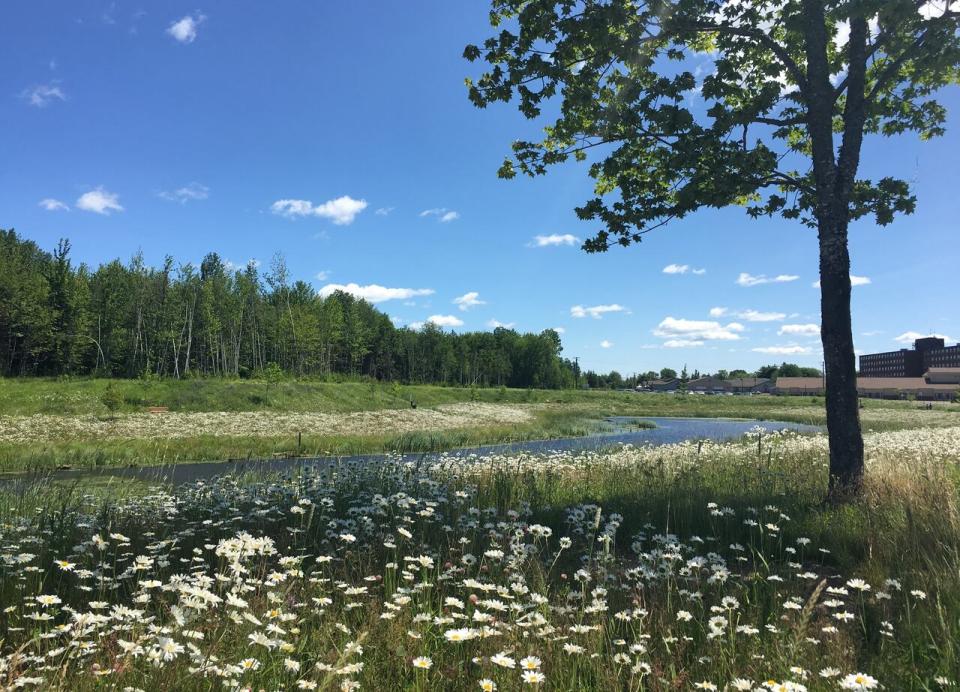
(836, 333)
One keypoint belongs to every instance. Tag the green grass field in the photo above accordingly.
(42, 402)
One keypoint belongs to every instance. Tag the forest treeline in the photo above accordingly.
(131, 320)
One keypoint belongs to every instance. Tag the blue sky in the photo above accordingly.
(340, 135)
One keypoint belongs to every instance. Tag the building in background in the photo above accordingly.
(929, 352)
(938, 384)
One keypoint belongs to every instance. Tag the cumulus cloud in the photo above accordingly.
(697, 330)
(443, 214)
(854, 281)
(468, 300)
(342, 210)
(559, 330)
(757, 316)
(746, 279)
(494, 324)
(682, 269)
(383, 211)
(800, 329)
(42, 95)
(374, 293)
(188, 193)
(910, 337)
(595, 311)
(445, 320)
(783, 350)
(99, 201)
(606, 344)
(748, 315)
(323, 274)
(185, 30)
(51, 204)
(554, 239)
(681, 343)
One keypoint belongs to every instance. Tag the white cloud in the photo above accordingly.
(342, 210)
(554, 239)
(323, 274)
(681, 343)
(748, 315)
(445, 320)
(559, 330)
(682, 269)
(746, 279)
(374, 293)
(756, 316)
(185, 30)
(595, 311)
(783, 350)
(469, 300)
(99, 201)
(191, 192)
(854, 281)
(42, 95)
(873, 332)
(443, 214)
(51, 204)
(697, 330)
(383, 211)
(800, 329)
(910, 337)
(606, 344)
(494, 324)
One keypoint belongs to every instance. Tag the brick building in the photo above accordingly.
(929, 352)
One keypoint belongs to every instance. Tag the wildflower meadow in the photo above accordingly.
(713, 566)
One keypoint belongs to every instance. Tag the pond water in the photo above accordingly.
(613, 431)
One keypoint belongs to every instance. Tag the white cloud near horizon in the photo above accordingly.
(595, 311)
(185, 30)
(910, 337)
(783, 350)
(606, 344)
(51, 204)
(42, 95)
(99, 201)
(374, 293)
(799, 330)
(468, 300)
(342, 210)
(674, 328)
(494, 324)
(554, 239)
(854, 281)
(187, 193)
(445, 320)
(682, 343)
(746, 279)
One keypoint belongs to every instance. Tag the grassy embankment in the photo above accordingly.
(40, 405)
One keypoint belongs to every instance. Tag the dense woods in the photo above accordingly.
(132, 320)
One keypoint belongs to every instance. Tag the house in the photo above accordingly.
(879, 387)
(942, 375)
(750, 385)
(668, 385)
(713, 385)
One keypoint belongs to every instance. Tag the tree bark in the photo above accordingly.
(836, 333)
